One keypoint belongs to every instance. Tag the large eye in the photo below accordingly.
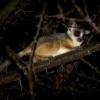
(77, 33)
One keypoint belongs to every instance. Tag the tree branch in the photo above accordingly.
(86, 17)
(59, 60)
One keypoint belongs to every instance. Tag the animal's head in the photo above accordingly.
(75, 33)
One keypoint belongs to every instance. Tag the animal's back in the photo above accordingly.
(53, 45)
(57, 44)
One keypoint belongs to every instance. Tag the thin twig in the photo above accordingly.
(4, 64)
(20, 63)
(90, 78)
(60, 11)
(90, 65)
(29, 76)
(87, 18)
(85, 8)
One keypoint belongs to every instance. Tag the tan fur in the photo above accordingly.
(50, 48)
(54, 45)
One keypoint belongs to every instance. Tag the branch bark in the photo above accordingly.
(68, 57)
(65, 58)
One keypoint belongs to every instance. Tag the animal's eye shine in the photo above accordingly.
(77, 33)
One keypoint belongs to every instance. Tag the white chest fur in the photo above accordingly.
(61, 51)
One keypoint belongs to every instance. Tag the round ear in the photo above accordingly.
(72, 23)
(86, 32)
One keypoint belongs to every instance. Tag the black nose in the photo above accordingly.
(80, 39)
(77, 33)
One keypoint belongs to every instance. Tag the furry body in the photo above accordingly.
(56, 44)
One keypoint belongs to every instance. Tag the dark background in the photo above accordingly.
(19, 29)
